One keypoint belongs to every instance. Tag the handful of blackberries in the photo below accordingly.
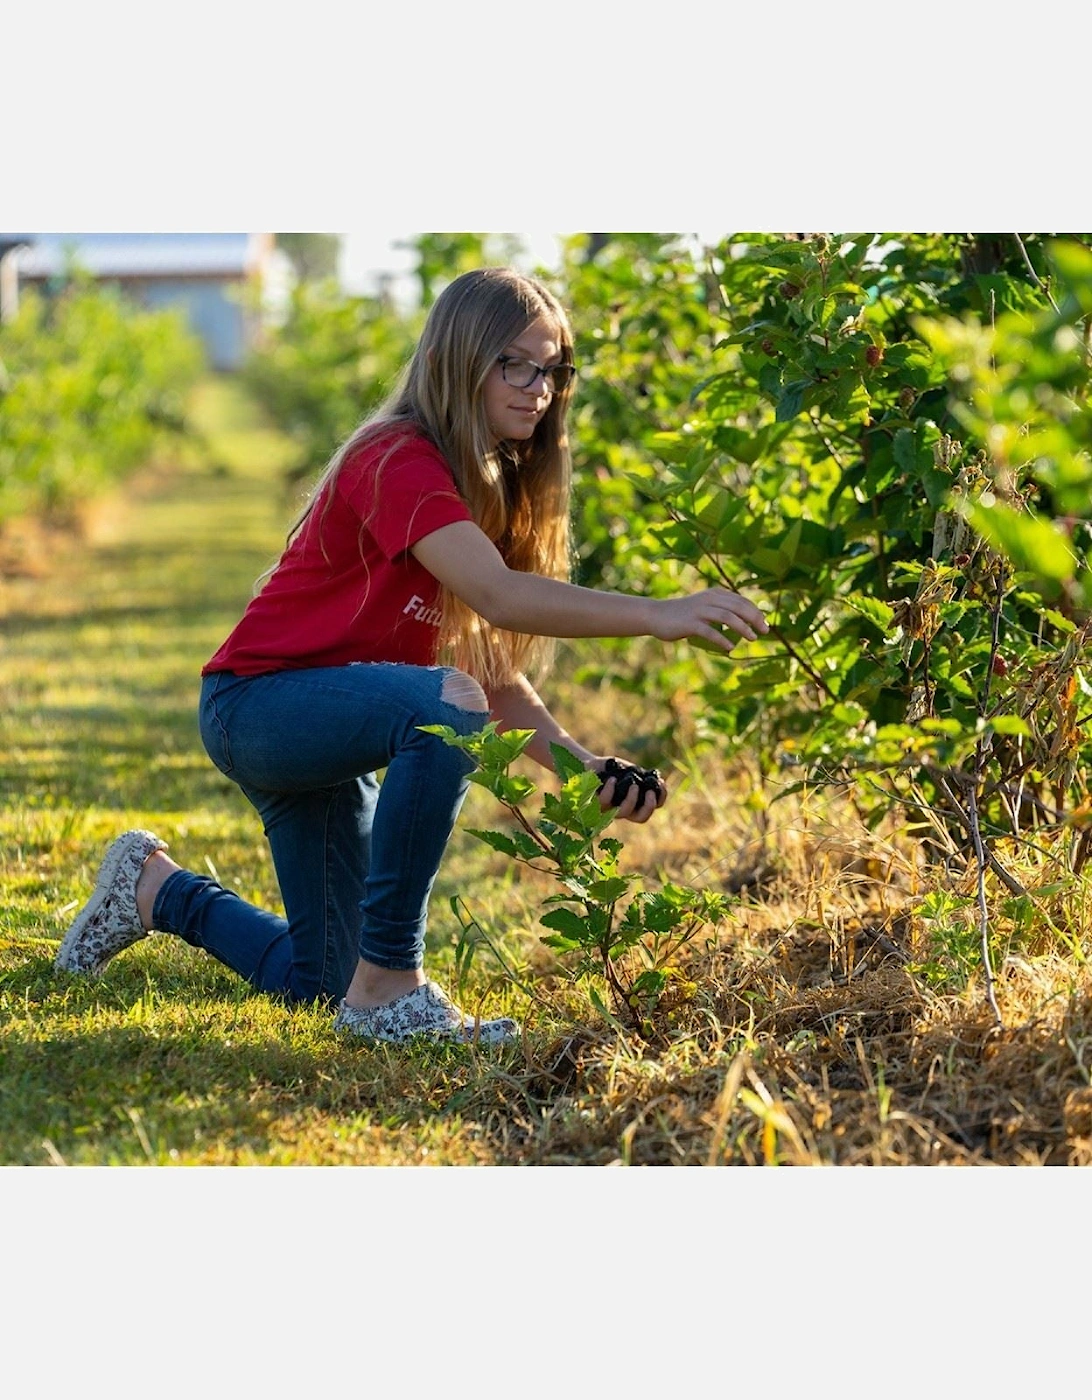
(625, 775)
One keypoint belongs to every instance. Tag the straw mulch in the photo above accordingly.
(813, 1036)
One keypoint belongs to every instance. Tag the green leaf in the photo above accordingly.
(1009, 724)
(567, 850)
(882, 471)
(579, 794)
(797, 628)
(715, 506)
(527, 846)
(670, 447)
(790, 543)
(1056, 619)
(566, 764)
(791, 400)
(515, 741)
(568, 922)
(878, 612)
(913, 452)
(950, 727)
(1030, 541)
(495, 839)
(742, 443)
(1073, 263)
(449, 736)
(560, 942)
(661, 915)
(769, 561)
(443, 731)
(514, 790)
(651, 982)
(607, 891)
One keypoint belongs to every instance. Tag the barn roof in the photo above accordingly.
(139, 254)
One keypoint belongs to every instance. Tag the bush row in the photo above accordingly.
(88, 385)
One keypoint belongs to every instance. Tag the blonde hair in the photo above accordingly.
(518, 493)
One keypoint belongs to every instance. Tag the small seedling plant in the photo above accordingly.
(600, 922)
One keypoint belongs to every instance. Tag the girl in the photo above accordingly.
(424, 579)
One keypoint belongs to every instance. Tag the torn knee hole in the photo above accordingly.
(464, 692)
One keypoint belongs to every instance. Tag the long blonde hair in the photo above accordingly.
(518, 493)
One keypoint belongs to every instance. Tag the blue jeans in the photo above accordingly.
(355, 859)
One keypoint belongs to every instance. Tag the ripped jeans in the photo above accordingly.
(355, 858)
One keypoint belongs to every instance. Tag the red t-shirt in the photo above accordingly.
(365, 598)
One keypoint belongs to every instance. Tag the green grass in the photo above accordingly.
(168, 1057)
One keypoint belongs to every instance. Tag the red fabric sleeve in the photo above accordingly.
(417, 494)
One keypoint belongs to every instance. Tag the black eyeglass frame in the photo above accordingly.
(546, 371)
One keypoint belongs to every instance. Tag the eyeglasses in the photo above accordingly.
(521, 374)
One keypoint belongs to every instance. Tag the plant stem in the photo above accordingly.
(531, 831)
(1034, 275)
(618, 992)
(817, 425)
(1009, 881)
(777, 634)
(983, 912)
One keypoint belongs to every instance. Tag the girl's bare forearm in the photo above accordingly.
(470, 565)
(518, 706)
(546, 607)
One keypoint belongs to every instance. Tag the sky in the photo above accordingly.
(366, 256)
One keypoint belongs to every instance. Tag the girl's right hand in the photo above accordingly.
(704, 614)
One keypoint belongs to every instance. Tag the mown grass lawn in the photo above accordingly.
(167, 1058)
(808, 1039)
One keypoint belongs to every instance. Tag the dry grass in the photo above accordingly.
(810, 1039)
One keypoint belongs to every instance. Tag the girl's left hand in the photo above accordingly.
(638, 801)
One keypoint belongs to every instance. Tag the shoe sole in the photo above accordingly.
(452, 1036)
(485, 1037)
(407, 1018)
(108, 872)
